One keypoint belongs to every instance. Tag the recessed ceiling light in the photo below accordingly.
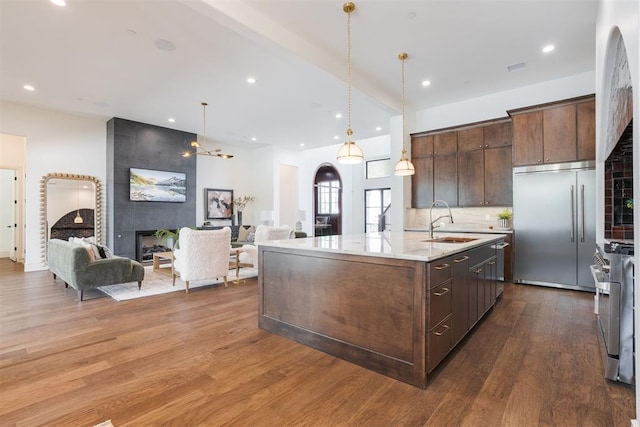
(516, 67)
(302, 144)
(171, 120)
(378, 128)
(166, 45)
(411, 15)
(336, 137)
(426, 83)
(59, 2)
(251, 80)
(29, 88)
(548, 48)
(338, 115)
(254, 139)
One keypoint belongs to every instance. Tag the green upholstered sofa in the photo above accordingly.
(74, 264)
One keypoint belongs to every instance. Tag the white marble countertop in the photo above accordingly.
(398, 244)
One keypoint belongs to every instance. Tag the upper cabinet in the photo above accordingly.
(468, 166)
(554, 133)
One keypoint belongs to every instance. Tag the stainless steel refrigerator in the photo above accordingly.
(554, 225)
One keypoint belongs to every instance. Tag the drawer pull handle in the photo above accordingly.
(477, 270)
(491, 263)
(442, 266)
(442, 292)
(444, 329)
(464, 258)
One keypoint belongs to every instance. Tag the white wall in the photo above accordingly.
(496, 105)
(227, 174)
(625, 15)
(56, 142)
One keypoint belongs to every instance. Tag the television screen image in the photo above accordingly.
(157, 186)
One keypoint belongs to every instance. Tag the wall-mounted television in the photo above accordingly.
(147, 185)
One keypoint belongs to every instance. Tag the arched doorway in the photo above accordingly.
(327, 201)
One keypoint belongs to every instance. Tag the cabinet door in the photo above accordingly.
(527, 138)
(438, 343)
(459, 298)
(498, 135)
(498, 177)
(586, 122)
(422, 182)
(422, 146)
(471, 182)
(445, 178)
(559, 133)
(490, 282)
(445, 143)
(474, 274)
(470, 139)
(439, 303)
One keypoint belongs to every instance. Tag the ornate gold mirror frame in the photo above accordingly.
(44, 232)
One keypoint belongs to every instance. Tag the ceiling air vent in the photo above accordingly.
(516, 67)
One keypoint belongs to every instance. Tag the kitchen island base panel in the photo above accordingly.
(377, 308)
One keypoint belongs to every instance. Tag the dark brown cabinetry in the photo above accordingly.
(459, 298)
(462, 288)
(554, 133)
(470, 166)
(445, 178)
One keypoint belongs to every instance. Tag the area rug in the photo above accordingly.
(159, 282)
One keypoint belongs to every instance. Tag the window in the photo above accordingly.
(376, 206)
(328, 196)
(380, 168)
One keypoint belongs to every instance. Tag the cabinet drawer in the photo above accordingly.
(438, 343)
(439, 303)
(439, 272)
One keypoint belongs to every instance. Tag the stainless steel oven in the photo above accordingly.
(613, 276)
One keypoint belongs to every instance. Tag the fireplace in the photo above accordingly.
(147, 244)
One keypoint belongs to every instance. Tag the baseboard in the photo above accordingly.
(35, 266)
(5, 254)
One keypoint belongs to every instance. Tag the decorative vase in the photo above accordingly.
(239, 218)
(503, 223)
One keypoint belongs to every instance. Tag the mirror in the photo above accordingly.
(69, 205)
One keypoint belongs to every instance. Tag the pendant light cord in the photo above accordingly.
(349, 131)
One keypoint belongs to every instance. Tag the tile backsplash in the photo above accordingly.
(479, 217)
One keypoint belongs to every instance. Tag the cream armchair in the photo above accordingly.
(202, 254)
(249, 257)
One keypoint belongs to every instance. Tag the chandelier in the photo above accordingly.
(198, 149)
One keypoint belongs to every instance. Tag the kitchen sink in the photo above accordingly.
(449, 239)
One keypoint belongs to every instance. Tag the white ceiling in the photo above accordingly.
(99, 59)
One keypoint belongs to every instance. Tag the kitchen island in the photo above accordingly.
(392, 302)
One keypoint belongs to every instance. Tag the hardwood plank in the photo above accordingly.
(200, 359)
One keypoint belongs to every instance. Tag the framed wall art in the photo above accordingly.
(218, 204)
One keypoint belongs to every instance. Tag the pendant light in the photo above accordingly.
(78, 219)
(349, 152)
(404, 167)
(198, 149)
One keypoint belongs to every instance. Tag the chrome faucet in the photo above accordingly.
(432, 221)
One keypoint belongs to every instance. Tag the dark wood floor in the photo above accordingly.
(199, 359)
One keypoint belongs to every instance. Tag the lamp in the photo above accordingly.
(267, 217)
(78, 219)
(198, 149)
(349, 152)
(404, 167)
(301, 216)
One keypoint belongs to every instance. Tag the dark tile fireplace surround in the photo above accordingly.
(138, 145)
